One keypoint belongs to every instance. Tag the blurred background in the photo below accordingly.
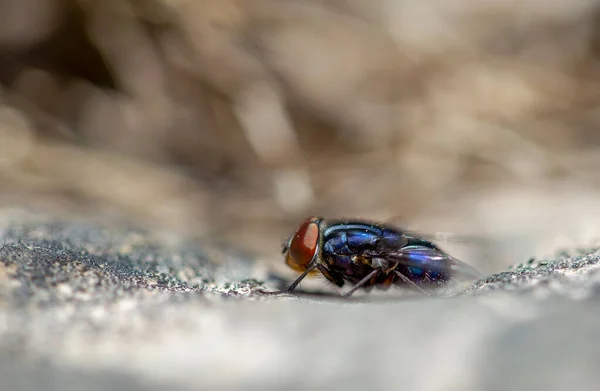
(232, 120)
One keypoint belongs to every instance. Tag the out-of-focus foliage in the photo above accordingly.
(235, 118)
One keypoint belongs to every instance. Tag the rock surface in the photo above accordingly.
(86, 307)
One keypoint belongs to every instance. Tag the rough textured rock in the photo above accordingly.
(86, 307)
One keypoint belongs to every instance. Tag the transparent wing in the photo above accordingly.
(440, 237)
(434, 260)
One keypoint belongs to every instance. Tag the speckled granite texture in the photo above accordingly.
(87, 308)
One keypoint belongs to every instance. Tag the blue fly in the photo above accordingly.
(368, 255)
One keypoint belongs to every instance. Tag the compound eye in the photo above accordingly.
(303, 244)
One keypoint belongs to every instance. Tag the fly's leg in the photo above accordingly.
(362, 282)
(428, 278)
(410, 283)
(335, 278)
(291, 288)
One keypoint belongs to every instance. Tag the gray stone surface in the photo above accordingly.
(88, 308)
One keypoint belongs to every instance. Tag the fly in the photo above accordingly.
(368, 255)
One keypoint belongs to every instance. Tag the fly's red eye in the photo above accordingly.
(304, 243)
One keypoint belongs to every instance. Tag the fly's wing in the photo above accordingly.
(432, 259)
(439, 237)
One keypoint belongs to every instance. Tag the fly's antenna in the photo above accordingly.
(286, 245)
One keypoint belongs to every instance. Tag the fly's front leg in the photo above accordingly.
(291, 288)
